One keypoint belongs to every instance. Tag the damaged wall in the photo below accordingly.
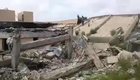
(24, 40)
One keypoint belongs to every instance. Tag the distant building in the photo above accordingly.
(25, 16)
(7, 15)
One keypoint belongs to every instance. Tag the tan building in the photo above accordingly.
(7, 15)
(25, 16)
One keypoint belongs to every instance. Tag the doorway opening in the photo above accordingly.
(4, 45)
(35, 38)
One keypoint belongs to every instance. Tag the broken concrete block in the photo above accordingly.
(125, 55)
(136, 55)
(58, 51)
(48, 48)
(54, 67)
(7, 57)
(34, 75)
(50, 55)
(112, 59)
(23, 68)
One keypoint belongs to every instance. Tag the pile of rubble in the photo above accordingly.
(50, 62)
(45, 63)
(109, 56)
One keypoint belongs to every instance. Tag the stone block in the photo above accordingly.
(112, 59)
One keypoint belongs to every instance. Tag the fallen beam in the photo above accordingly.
(43, 42)
(40, 43)
(66, 71)
(8, 62)
(92, 54)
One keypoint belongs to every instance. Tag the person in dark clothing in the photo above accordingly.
(78, 20)
(82, 19)
(85, 18)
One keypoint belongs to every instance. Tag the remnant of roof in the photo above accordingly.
(67, 21)
(106, 23)
(94, 23)
(6, 24)
(126, 22)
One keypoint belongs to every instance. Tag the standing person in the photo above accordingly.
(82, 19)
(9, 42)
(78, 20)
(88, 22)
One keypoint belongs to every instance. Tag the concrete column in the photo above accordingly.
(69, 44)
(16, 51)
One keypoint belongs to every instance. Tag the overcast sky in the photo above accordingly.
(53, 10)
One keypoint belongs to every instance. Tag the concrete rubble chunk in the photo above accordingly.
(131, 71)
(9, 75)
(30, 54)
(57, 51)
(60, 79)
(16, 76)
(3, 70)
(101, 46)
(7, 57)
(48, 48)
(23, 68)
(50, 55)
(34, 75)
(34, 55)
(24, 78)
(112, 59)
(125, 55)
(136, 55)
(65, 71)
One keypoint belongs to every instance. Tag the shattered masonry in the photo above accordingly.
(60, 54)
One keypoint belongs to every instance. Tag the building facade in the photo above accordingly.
(25, 16)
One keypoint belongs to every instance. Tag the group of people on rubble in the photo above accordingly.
(81, 19)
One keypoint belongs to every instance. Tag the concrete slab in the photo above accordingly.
(126, 22)
(94, 22)
(112, 59)
(101, 46)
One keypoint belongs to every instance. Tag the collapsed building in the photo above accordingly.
(33, 35)
(101, 26)
(53, 50)
(25, 20)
